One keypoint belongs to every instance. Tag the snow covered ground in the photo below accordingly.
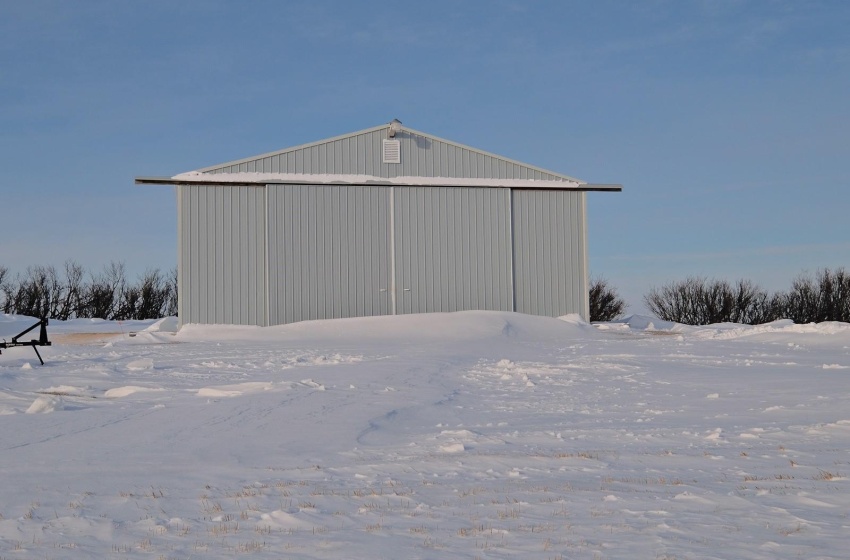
(465, 435)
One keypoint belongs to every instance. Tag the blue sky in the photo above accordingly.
(727, 122)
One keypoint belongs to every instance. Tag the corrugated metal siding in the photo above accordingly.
(453, 249)
(329, 252)
(360, 154)
(550, 270)
(222, 253)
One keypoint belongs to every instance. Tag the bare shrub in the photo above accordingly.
(764, 309)
(677, 301)
(824, 297)
(154, 292)
(605, 303)
(43, 292)
(748, 304)
(72, 292)
(698, 301)
(171, 305)
(150, 298)
(129, 300)
(36, 294)
(99, 299)
(4, 287)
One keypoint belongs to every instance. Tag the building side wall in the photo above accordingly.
(221, 253)
(550, 262)
(452, 249)
(361, 154)
(328, 252)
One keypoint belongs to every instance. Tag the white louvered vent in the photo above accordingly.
(392, 151)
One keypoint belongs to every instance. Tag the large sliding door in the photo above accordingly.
(352, 251)
(328, 252)
(452, 249)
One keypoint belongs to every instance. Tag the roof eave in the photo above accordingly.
(598, 187)
(173, 181)
(213, 181)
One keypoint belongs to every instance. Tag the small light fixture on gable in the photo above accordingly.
(395, 127)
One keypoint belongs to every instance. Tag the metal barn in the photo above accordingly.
(383, 221)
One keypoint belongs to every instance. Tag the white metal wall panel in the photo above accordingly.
(328, 252)
(452, 249)
(221, 244)
(550, 262)
(360, 154)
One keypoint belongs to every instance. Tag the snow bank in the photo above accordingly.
(727, 331)
(121, 392)
(642, 323)
(777, 331)
(45, 404)
(458, 326)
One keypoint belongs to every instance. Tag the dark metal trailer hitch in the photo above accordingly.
(42, 339)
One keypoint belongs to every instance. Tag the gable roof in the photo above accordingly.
(357, 158)
(359, 153)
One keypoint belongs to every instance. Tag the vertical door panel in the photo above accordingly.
(222, 254)
(549, 252)
(452, 249)
(328, 252)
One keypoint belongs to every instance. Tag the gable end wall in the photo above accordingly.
(360, 154)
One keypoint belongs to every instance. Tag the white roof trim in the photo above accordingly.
(336, 179)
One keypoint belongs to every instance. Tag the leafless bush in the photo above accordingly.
(148, 299)
(34, 293)
(102, 295)
(171, 305)
(605, 303)
(764, 308)
(72, 291)
(42, 292)
(698, 301)
(4, 275)
(154, 290)
(748, 304)
(826, 297)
